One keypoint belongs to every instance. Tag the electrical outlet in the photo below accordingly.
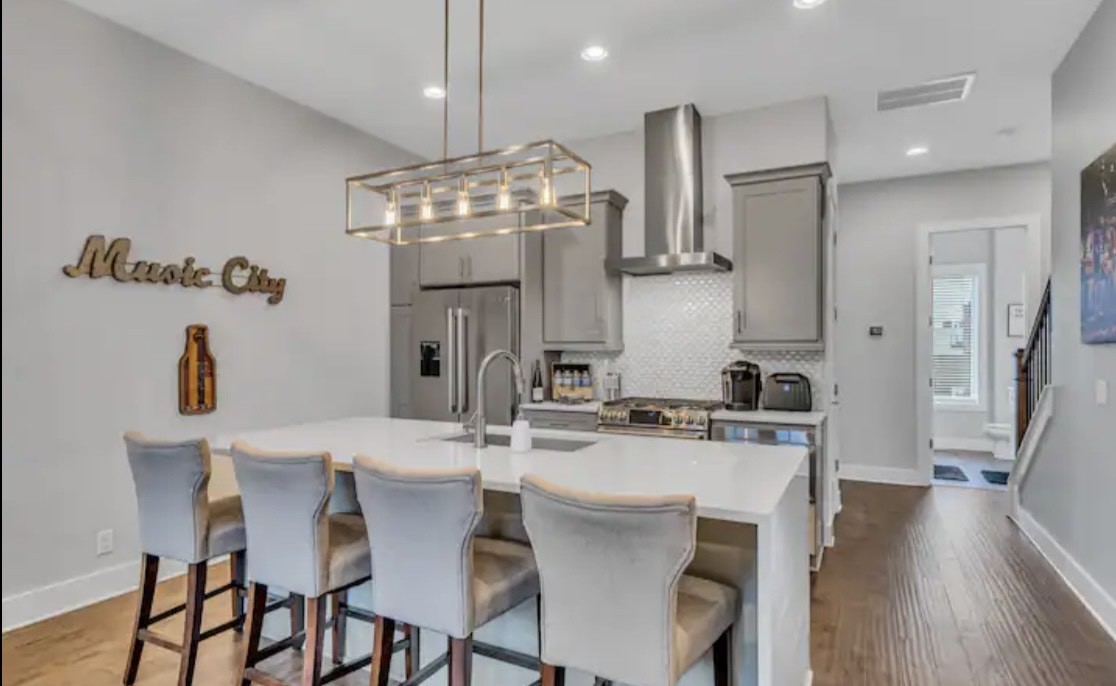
(1101, 392)
(104, 542)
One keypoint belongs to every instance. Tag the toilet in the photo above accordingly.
(1001, 435)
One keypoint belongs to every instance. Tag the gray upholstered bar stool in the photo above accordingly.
(178, 521)
(615, 601)
(431, 570)
(297, 545)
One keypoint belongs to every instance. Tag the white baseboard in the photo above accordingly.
(980, 445)
(898, 476)
(41, 603)
(1095, 598)
(1028, 448)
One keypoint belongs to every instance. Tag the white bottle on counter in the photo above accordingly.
(520, 434)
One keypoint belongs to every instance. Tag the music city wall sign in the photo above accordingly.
(238, 276)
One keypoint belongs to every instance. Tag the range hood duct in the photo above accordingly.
(673, 233)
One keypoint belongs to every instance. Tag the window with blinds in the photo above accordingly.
(956, 331)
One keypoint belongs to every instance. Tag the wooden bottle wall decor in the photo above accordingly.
(197, 373)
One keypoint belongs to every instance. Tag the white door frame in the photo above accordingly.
(924, 395)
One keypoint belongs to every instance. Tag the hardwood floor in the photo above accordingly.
(926, 587)
(936, 586)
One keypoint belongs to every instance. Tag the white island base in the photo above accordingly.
(751, 502)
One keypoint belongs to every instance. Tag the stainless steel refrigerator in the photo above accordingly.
(451, 332)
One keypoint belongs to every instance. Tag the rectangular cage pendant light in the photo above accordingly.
(524, 188)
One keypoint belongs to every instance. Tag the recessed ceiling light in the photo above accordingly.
(594, 53)
(434, 92)
(807, 4)
(917, 150)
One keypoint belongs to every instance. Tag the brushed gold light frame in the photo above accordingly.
(405, 184)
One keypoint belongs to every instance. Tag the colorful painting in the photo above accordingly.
(1098, 250)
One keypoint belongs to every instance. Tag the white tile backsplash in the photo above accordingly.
(677, 331)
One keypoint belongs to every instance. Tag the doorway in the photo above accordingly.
(971, 298)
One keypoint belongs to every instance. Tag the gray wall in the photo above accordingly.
(1070, 487)
(105, 131)
(876, 285)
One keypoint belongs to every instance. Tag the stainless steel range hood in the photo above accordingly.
(673, 231)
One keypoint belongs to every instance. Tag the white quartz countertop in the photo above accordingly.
(771, 417)
(590, 407)
(738, 482)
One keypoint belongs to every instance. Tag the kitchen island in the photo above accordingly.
(751, 502)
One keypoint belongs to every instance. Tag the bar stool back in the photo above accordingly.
(615, 600)
(177, 520)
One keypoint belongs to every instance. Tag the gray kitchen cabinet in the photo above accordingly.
(401, 361)
(473, 261)
(581, 299)
(404, 273)
(779, 259)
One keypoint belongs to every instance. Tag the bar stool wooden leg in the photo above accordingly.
(340, 625)
(381, 651)
(550, 675)
(722, 659)
(237, 574)
(257, 605)
(411, 654)
(298, 617)
(195, 599)
(315, 641)
(460, 661)
(149, 576)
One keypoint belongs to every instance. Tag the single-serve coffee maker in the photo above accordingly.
(741, 386)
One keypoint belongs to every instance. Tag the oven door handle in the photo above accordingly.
(660, 433)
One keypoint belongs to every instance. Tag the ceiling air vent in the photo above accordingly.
(937, 91)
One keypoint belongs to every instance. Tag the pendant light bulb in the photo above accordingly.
(391, 214)
(464, 209)
(503, 196)
(546, 190)
(426, 205)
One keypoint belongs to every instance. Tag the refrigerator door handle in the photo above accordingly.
(451, 357)
(462, 366)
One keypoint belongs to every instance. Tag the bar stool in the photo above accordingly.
(297, 545)
(430, 568)
(177, 520)
(615, 601)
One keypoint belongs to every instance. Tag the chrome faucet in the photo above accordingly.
(480, 424)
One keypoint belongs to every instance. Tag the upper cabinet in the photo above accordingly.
(779, 259)
(468, 262)
(581, 299)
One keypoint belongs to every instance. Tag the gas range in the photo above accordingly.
(657, 417)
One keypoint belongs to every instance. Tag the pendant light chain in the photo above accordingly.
(480, 84)
(445, 82)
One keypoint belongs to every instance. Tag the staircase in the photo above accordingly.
(1034, 398)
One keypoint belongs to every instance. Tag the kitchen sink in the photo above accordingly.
(563, 445)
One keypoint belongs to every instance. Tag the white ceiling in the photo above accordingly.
(365, 62)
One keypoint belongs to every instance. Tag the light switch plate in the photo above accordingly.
(1102, 392)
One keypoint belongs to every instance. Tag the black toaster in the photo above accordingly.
(787, 391)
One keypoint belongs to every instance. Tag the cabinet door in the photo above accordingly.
(492, 260)
(404, 273)
(442, 264)
(574, 282)
(401, 351)
(778, 264)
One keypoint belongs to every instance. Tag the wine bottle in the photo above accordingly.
(537, 383)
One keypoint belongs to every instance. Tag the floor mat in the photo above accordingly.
(995, 477)
(947, 472)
